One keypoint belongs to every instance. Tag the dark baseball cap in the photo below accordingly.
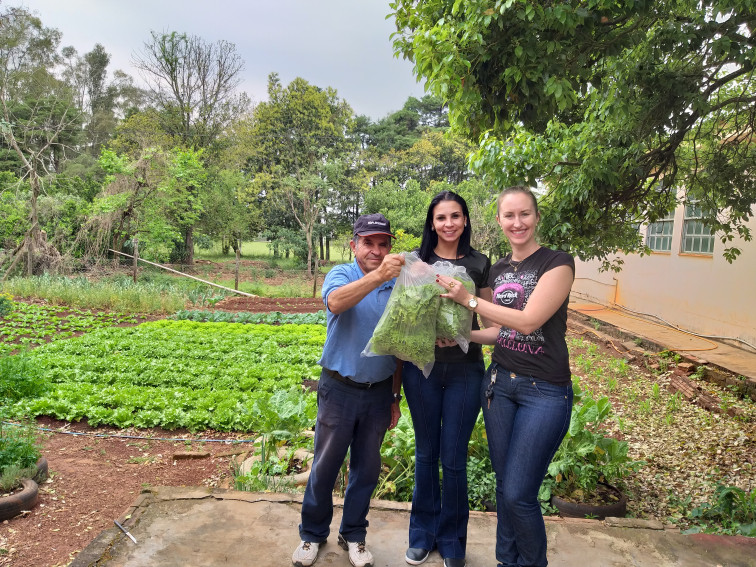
(374, 223)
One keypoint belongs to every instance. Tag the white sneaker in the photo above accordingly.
(359, 556)
(306, 554)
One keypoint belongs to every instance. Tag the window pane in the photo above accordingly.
(697, 237)
(658, 235)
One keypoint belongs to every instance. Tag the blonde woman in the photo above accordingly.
(527, 392)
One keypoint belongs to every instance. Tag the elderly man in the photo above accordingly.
(358, 397)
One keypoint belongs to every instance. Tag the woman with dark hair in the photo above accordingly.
(527, 394)
(445, 405)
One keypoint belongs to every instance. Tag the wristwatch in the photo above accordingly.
(397, 397)
(472, 303)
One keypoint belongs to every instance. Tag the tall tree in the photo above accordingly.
(193, 84)
(39, 119)
(103, 101)
(613, 106)
(298, 143)
(401, 129)
(147, 197)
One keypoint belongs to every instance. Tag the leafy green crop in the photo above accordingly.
(30, 325)
(175, 374)
(453, 319)
(272, 318)
(407, 328)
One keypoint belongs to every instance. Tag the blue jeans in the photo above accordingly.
(525, 424)
(444, 408)
(351, 419)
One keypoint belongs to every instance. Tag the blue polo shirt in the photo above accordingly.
(349, 332)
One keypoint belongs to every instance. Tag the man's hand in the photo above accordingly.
(390, 267)
(396, 413)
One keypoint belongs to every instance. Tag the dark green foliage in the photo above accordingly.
(732, 512)
(271, 318)
(599, 103)
(587, 456)
(18, 446)
(19, 378)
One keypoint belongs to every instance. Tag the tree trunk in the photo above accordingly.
(328, 249)
(237, 248)
(188, 258)
(134, 263)
(309, 254)
(320, 239)
(34, 235)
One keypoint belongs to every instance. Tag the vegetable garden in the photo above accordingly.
(239, 375)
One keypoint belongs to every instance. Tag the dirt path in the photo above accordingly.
(96, 476)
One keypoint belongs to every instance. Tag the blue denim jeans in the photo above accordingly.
(444, 408)
(351, 419)
(525, 423)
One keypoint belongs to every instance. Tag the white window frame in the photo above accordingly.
(659, 233)
(697, 238)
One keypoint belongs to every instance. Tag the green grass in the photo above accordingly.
(293, 288)
(256, 250)
(118, 294)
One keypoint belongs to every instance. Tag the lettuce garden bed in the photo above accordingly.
(176, 374)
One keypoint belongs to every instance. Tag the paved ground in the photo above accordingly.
(187, 527)
(703, 350)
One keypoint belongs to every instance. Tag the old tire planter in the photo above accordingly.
(42, 471)
(16, 503)
(569, 509)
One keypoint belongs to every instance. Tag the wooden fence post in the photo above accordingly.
(134, 264)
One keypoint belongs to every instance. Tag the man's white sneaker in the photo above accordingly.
(359, 556)
(306, 554)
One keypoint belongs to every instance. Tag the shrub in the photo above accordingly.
(733, 512)
(18, 447)
(6, 304)
(586, 456)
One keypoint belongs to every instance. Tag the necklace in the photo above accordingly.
(517, 265)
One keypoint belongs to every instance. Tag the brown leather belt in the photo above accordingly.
(349, 382)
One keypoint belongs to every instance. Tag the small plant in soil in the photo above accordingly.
(733, 511)
(587, 458)
(19, 453)
(10, 479)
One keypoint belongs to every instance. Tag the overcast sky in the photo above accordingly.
(344, 44)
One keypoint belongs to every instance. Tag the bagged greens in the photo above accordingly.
(416, 315)
(454, 321)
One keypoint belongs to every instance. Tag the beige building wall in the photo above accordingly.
(697, 292)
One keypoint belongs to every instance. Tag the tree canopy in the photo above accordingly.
(614, 108)
(89, 161)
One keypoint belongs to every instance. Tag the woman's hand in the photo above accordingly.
(444, 343)
(454, 290)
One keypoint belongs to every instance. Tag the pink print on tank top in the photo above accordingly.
(510, 294)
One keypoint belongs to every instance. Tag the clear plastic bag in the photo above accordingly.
(454, 321)
(407, 328)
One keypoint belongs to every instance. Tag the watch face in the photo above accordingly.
(473, 303)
